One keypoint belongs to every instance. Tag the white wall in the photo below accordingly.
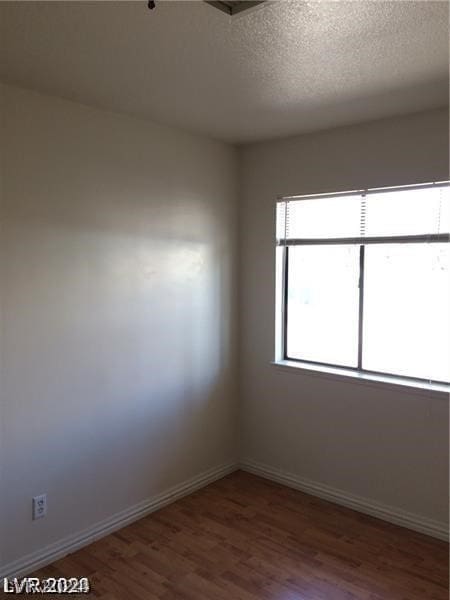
(118, 295)
(389, 446)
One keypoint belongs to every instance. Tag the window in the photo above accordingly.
(364, 280)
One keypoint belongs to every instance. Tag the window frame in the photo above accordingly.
(283, 284)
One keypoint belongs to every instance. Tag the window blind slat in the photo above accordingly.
(363, 240)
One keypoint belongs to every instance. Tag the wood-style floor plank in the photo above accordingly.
(245, 538)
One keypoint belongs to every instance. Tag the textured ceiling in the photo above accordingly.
(284, 68)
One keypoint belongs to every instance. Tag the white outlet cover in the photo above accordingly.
(39, 506)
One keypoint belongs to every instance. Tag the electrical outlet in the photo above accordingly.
(39, 506)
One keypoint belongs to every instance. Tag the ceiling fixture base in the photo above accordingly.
(234, 7)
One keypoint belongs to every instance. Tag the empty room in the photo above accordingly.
(224, 299)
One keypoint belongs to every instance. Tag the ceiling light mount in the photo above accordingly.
(230, 7)
(236, 6)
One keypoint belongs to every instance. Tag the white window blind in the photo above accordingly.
(365, 280)
(359, 217)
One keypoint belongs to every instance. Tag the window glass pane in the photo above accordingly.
(408, 212)
(406, 310)
(324, 217)
(411, 211)
(323, 301)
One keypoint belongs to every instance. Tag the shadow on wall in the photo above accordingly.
(118, 368)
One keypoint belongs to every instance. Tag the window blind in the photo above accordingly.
(366, 216)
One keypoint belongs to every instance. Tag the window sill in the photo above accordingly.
(357, 377)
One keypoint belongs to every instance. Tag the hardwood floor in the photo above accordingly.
(245, 538)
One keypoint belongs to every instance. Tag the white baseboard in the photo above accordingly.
(67, 545)
(391, 514)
